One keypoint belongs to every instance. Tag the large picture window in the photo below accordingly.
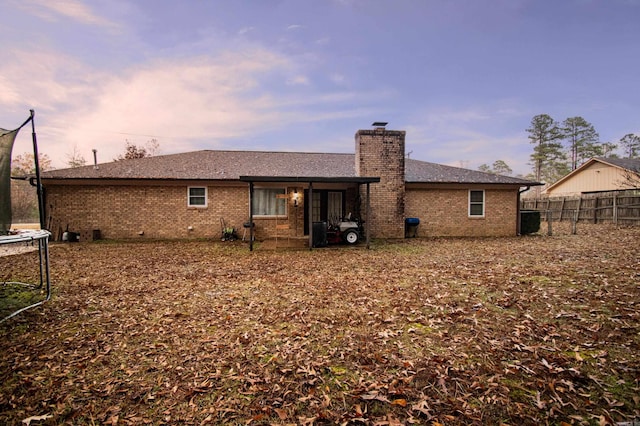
(197, 196)
(476, 203)
(269, 202)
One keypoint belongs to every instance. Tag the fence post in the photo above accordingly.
(562, 208)
(595, 210)
(615, 208)
(574, 222)
(549, 227)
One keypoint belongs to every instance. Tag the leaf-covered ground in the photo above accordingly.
(529, 330)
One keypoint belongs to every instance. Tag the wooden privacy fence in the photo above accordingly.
(609, 207)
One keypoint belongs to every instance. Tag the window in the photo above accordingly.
(317, 216)
(334, 206)
(197, 196)
(476, 203)
(269, 202)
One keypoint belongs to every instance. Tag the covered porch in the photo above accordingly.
(296, 203)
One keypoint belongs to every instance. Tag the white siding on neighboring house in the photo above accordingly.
(593, 176)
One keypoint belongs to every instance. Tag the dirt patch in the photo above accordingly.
(9, 249)
(529, 330)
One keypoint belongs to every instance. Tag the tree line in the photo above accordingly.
(24, 165)
(561, 147)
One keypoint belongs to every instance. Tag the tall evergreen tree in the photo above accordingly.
(631, 145)
(608, 149)
(582, 138)
(549, 161)
(500, 167)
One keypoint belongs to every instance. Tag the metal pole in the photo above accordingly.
(36, 161)
(368, 230)
(310, 211)
(250, 216)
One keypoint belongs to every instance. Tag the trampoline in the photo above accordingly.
(12, 238)
(43, 285)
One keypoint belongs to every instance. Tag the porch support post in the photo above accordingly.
(310, 213)
(250, 216)
(368, 227)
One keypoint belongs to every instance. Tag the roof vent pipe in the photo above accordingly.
(95, 158)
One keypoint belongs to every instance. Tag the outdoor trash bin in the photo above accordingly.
(529, 221)
(411, 227)
(319, 234)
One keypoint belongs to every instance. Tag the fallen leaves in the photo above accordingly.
(28, 420)
(442, 331)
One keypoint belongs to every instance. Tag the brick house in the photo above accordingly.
(186, 195)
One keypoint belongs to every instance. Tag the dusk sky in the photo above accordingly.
(463, 77)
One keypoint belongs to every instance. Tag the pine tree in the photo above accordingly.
(549, 161)
(631, 145)
(583, 140)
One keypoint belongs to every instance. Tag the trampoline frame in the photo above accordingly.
(40, 235)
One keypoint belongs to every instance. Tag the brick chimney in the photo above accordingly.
(380, 153)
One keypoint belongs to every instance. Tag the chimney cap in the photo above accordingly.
(379, 123)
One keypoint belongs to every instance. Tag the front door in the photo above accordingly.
(328, 206)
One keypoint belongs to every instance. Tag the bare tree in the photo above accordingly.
(23, 164)
(24, 199)
(153, 147)
(631, 178)
(131, 150)
(75, 159)
(24, 202)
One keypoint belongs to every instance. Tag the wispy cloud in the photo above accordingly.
(198, 102)
(337, 78)
(73, 9)
(466, 137)
(245, 30)
(298, 80)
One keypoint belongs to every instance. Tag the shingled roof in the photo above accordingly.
(417, 171)
(632, 164)
(230, 165)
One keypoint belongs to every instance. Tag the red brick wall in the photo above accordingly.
(161, 211)
(444, 212)
(125, 211)
(380, 153)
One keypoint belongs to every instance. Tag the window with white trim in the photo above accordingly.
(197, 196)
(476, 203)
(269, 202)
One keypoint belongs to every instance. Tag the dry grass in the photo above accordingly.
(530, 330)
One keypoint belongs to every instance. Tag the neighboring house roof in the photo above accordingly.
(623, 164)
(631, 164)
(230, 165)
